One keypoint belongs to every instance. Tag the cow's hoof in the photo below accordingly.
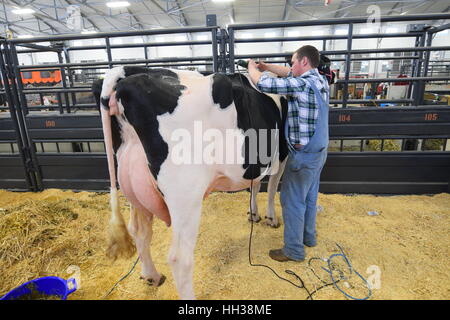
(271, 223)
(253, 217)
(152, 282)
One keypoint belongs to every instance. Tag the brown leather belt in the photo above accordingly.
(297, 146)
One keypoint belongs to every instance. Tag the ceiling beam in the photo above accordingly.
(150, 11)
(38, 16)
(167, 14)
(181, 12)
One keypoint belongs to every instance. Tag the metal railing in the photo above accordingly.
(420, 53)
(67, 67)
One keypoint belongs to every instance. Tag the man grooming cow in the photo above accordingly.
(141, 108)
(307, 137)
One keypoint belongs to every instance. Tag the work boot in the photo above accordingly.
(278, 255)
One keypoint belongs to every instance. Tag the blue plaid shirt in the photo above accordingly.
(302, 107)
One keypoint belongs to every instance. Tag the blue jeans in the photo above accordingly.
(299, 192)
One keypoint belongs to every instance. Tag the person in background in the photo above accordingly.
(306, 131)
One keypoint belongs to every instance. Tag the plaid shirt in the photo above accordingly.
(302, 107)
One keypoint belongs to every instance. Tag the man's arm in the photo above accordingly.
(280, 71)
(253, 71)
(267, 84)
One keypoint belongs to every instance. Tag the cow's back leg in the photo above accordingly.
(185, 224)
(253, 213)
(140, 227)
(272, 187)
(185, 205)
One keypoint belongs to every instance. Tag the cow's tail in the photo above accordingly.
(120, 242)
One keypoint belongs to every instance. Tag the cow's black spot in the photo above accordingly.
(144, 97)
(97, 90)
(222, 90)
(105, 103)
(258, 111)
(155, 72)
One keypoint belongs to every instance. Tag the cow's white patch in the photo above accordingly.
(111, 78)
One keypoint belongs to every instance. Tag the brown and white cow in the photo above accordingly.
(152, 119)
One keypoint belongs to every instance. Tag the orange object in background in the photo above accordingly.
(41, 77)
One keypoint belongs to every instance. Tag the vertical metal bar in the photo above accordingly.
(324, 45)
(12, 102)
(418, 84)
(18, 75)
(108, 51)
(26, 149)
(61, 109)
(426, 64)
(214, 50)
(231, 50)
(347, 66)
(64, 82)
(70, 76)
(146, 55)
(413, 69)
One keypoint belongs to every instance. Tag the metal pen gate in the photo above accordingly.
(62, 147)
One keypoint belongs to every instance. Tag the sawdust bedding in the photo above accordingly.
(403, 251)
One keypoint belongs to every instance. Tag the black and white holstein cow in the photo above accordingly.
(141, 110)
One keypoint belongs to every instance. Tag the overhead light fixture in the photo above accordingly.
(117, 4)
(21, 36)
(22, 11)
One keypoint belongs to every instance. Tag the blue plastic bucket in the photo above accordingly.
(54, 287)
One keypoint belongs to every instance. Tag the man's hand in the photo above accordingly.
(253, 71)
(262, 66)
(252, 64)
